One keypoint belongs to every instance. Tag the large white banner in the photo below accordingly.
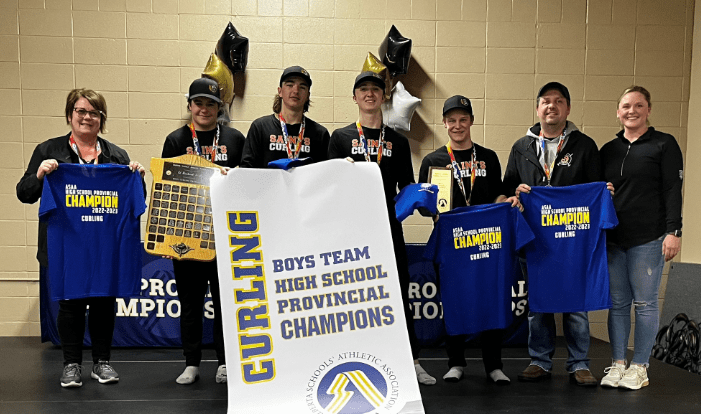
(313, 316)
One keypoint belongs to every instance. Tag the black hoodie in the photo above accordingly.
(577, 163)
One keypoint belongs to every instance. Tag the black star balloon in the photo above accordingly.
(395, 52)
(232, 49)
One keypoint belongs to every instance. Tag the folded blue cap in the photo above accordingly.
(415, 196)
(287, 163)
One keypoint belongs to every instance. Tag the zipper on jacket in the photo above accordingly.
(536, 163)
(624, 159)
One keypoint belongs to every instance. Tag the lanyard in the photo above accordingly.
(550, 168)
(288, 143)
(457, 171)
(74, 146)
(365, 144)
(196, 142)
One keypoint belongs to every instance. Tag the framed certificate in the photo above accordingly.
(443, 178)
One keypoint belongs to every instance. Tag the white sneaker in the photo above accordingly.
(422, 376)
(614, 373)
(634, 378)
(221, 375)
(454, 374)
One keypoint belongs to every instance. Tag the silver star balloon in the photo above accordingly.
(397, 112)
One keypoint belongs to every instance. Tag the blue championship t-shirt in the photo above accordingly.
(475, 249)
(94, 246)
(567, 267)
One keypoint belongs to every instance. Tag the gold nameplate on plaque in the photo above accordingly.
(443, 178)
(180, 212)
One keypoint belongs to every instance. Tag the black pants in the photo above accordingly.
(491, 350)
(404, 279)
(191, 279)
(71, 328)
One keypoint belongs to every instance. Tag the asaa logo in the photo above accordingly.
(352, 388)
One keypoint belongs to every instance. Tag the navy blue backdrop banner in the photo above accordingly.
(152, 318)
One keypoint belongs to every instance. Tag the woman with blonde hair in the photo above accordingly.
(646, 168)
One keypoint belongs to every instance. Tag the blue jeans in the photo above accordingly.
(635, 275)
(541, 337)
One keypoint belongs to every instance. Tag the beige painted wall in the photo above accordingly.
(142, 54)
(691, 248)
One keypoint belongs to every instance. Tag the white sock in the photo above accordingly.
(190, 375)
(499, 377)
(423, 376)
(454, 374)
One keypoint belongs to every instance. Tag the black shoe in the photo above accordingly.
(71, 376)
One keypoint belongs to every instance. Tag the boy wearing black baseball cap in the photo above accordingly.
(287, 133)
(222, 145)
(370, 140)
(479, 182)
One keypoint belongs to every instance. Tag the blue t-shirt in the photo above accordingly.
(420, 197)
(567, 267)
(93, 233)
(475, 249)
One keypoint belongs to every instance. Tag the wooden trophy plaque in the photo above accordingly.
(180, 211)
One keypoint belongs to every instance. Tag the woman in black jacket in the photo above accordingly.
(646, 168)
(86, 113)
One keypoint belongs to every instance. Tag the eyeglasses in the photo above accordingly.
(83, 113)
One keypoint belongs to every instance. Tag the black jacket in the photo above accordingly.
(577, 163)
(647, 175)
(30, 187)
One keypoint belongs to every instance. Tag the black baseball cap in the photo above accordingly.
(369, 77)
(204, 87)
(556, 86)
(457, 102)
(296, 71)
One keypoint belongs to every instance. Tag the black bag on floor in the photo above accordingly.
(678, 344)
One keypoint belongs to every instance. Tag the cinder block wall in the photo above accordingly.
(143, 54)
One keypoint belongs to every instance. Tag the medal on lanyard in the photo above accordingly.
(366, 147)
(550, 168)
(288, 143)
(457, 172)
(196, 142)
(74, 146)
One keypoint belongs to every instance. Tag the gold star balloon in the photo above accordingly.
(218, 71)
(373, 64)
